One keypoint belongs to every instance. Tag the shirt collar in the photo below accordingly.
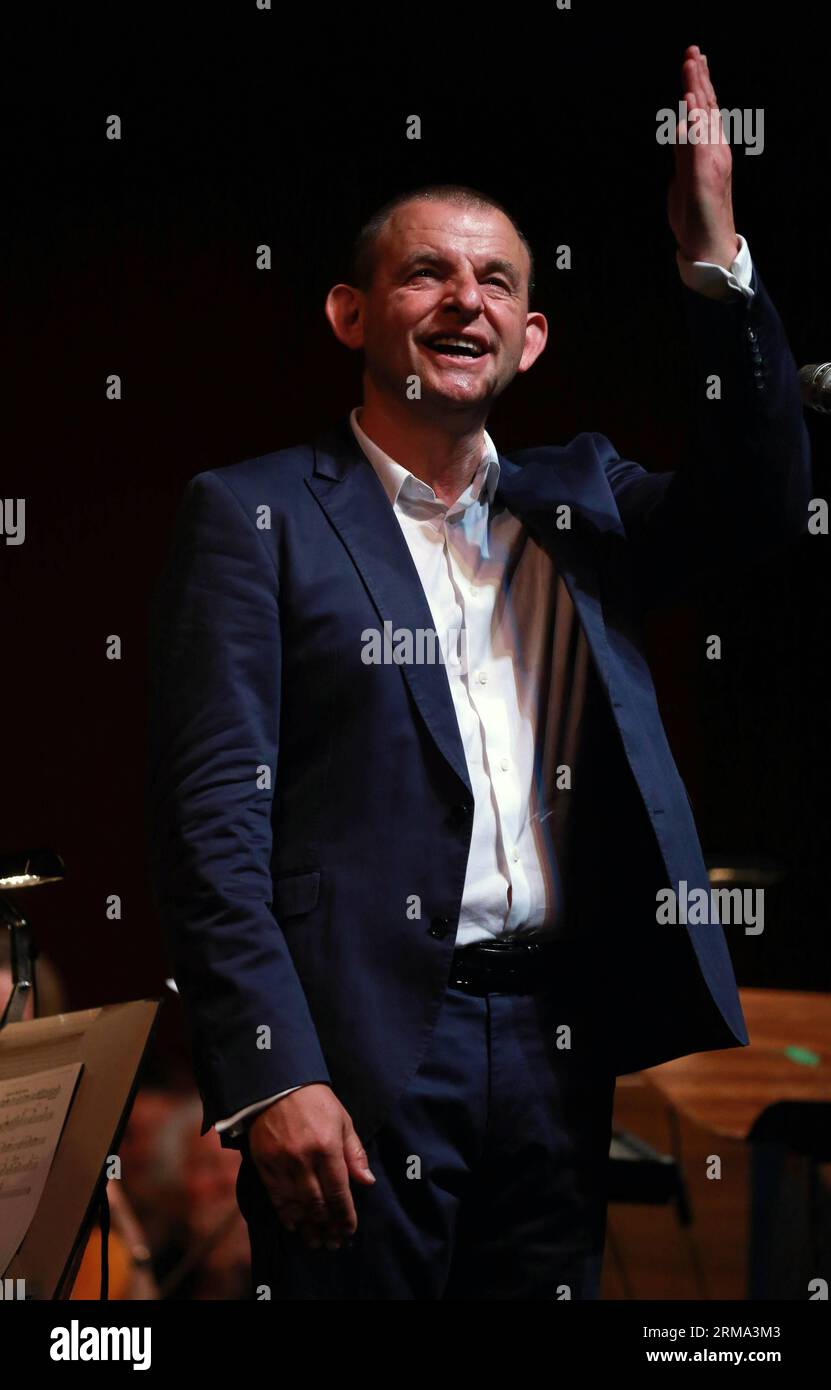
(401, 485)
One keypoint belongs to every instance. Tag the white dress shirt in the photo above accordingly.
(516, 675)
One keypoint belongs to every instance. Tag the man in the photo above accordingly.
(412, 901)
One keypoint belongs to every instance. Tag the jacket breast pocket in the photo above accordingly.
(295, 894)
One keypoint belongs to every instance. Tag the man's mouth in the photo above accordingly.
(460, 348)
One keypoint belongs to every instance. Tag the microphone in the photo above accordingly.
(815, 385)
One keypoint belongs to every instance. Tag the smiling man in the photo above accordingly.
(454, 353)
(413, 906)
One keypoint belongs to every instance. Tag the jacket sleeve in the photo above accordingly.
(744, 488)
(214, 717)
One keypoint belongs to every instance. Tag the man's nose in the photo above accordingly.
(464, 292)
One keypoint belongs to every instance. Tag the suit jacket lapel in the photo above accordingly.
(350, 492)
(535, 492)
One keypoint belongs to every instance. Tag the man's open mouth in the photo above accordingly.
(448, 346)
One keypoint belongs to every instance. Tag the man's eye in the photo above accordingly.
(492, 279)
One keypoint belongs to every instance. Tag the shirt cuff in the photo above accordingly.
(234, 1124)
(714, 281)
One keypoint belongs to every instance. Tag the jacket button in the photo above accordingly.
(461, 813)
(439, 927)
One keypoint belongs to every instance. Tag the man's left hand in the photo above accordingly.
(700, 202)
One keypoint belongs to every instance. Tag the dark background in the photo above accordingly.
(138, 257)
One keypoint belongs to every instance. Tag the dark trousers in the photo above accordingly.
(491, 1170)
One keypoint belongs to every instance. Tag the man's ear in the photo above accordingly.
(344, 310)
(536, 337)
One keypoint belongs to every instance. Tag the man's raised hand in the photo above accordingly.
(700, 202)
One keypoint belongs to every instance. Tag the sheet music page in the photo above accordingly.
(33, 1110)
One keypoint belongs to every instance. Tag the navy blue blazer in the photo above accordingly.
(298, 797)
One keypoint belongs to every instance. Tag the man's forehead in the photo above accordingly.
(435, 224)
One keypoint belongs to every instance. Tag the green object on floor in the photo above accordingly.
(803, 1055)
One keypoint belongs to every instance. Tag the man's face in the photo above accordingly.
(442, 273)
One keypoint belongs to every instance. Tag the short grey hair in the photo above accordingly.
(362, 259)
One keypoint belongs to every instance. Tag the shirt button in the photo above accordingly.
(515, 855)
(482, 677)
(505, 763)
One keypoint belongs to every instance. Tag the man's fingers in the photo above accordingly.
(294, 1190)
(289, 1211)
(333, 1176)
(315, 1202)
(356, 1159)
(695, 74)
(300, 1200)
(708, 82)
(693, 80)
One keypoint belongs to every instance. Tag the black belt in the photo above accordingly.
(505, 966)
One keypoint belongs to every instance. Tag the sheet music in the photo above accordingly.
(33, 1110)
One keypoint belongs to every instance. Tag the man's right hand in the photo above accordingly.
(305, 1149)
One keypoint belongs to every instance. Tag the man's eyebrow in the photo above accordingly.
(427, 257)
(421, 258)
(506, 268)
